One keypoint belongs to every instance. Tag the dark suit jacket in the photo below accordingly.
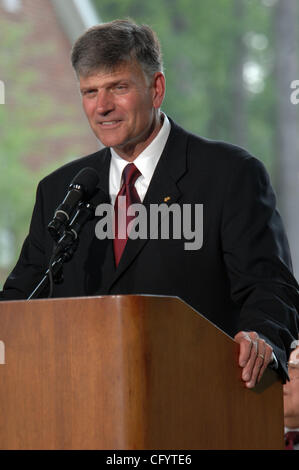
(241, 277)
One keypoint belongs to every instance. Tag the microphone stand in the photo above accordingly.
(64, 250)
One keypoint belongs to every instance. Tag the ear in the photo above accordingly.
(158, 89)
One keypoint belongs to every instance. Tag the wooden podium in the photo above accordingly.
(127, 372)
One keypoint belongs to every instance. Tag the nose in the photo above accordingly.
(105, 102)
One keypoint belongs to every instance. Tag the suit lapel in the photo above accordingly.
(99, 265)
(163, 189)
(102, 165)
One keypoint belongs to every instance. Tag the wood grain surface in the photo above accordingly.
(127, 372)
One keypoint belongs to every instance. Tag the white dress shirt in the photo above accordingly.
(146, 163)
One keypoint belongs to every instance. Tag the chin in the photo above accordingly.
(108, 142)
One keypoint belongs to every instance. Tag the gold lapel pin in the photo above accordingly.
(167, 198)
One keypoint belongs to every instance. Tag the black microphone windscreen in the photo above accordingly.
(88, 178)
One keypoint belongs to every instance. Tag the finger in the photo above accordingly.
(249, 367)
(245, 343)
(267, 360)
(258, 363)
(249, 361)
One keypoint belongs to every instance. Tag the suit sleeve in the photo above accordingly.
(31, 265)
(258, 261)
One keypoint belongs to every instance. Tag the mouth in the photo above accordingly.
(109, 124)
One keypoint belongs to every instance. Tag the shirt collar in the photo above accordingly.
(147, 160)
(286, 429)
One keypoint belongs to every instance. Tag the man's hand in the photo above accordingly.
(255, 355)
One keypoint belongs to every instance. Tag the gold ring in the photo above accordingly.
(262, 356)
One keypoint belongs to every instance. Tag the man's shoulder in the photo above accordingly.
(211, 152)
(65, 174)
(198, 141)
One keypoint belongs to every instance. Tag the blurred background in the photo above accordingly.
(230, 66)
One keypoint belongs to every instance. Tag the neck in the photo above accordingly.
(292, 422)
(131, 150)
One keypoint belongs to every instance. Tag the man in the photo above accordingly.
(240, 277)
(291, 403)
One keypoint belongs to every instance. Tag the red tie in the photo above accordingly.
(130, 196)
(291, 438)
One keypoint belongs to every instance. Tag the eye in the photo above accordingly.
(120, 88)
(89, 93)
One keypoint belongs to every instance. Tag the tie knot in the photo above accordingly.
(130, 174)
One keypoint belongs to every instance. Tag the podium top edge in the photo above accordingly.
(114, 296)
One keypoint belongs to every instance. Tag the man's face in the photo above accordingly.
(291, 392)
(121, 107)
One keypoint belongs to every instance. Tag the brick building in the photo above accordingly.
(42, 124)
(49, 29)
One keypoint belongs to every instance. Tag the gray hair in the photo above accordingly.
(110, 45)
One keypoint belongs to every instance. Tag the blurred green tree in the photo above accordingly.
(26, 121)
(218, 61)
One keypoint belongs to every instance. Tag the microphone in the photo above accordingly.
(70, 238)
(64, 250)
(82, 188)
